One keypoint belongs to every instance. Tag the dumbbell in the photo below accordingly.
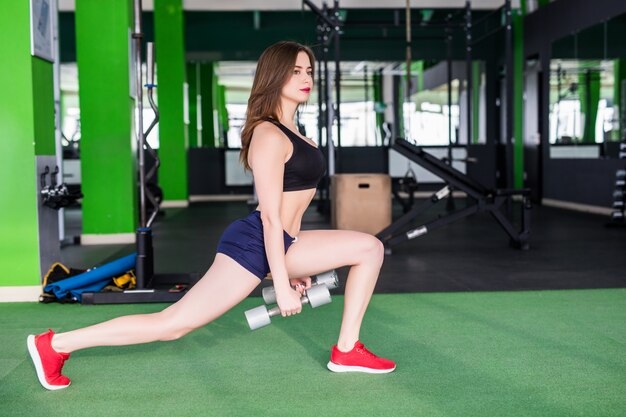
(329, 279)
(260, 316)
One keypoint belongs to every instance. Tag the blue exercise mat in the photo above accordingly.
(93, 280)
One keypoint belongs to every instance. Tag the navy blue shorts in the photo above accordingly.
(243, 242)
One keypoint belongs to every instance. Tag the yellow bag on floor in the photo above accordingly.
(126, 281)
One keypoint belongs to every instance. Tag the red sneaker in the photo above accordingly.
(359, 359)
(48, 362)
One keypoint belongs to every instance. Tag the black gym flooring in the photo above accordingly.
(568, 250)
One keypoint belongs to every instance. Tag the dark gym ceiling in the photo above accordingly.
(372, 34)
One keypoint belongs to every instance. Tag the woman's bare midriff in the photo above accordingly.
(294, 204)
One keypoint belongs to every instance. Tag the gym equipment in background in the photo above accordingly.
(492, 201)
(93, 280)
(619, 193)
(328, 30)
(406, 185)
(619, 196)
(329, 279)
(260, 316)
(56, 196)
(151, 288)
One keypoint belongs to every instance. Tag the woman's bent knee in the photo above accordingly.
(373, 250)
(378, 250)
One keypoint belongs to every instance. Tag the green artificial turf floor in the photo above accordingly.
(541, 353)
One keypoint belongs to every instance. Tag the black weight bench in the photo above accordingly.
(483, 199)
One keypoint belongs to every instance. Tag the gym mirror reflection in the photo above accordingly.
(588, 92)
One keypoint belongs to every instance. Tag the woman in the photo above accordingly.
(286, 169)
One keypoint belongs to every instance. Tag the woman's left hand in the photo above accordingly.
(300, 284)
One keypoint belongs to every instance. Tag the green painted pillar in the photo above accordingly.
(476, 77)
(170, 62)
(518, 95)
(192, 97)
(589, 93)
(222, 114)
(619, 101)
(401, 98)
(417, 68)
(27, 120)
(379, 102)
(207, 108)
(107, 145)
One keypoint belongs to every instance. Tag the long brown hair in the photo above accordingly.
(273, 71)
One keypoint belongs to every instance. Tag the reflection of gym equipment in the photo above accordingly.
(580, 90)
(56, 196)
(406, 185)
(71, 145)
(484, 199)
(570, 92)
(329, 279)
(260, 316)
(619, 199)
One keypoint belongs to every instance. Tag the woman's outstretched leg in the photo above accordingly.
(225, 284)
(322, 250)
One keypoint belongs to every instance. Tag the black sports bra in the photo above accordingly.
(306, 167)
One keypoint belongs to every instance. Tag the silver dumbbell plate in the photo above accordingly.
(258, 317)
(318, 296)
(269, 295)
(330, 279)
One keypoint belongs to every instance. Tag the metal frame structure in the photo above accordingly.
(482, 198)
(328, 32)
(498, 202)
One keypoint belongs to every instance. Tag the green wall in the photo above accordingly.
(192, 100)
(619, 76)
(207, 88)
(170, 61)
(476, 81)
(43, 107)
(589, 94)
(108, 148)
(27, 120)
(222, 113)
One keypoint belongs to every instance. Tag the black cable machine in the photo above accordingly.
(497, 202)
(151, 287)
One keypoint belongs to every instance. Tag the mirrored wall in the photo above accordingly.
(588, 91)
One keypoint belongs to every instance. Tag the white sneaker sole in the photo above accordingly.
(343, 368)
(34, 355)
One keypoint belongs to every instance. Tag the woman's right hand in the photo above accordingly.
(288, 302)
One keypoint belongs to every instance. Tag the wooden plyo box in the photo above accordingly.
(361, 202)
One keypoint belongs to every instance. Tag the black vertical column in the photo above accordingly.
(337, 84)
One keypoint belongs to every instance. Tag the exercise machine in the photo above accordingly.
(482, 199)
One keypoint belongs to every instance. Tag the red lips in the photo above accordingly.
(306, 90)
